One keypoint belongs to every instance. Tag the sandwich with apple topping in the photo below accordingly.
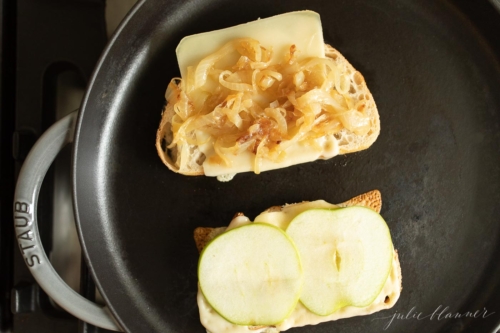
(296, 265)
(261, 96)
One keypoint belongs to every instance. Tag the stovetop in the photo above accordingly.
(48, 51)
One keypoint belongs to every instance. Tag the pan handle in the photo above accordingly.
(28, 186)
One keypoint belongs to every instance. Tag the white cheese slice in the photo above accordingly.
(295, 154)
(301, 316)
(302, 28)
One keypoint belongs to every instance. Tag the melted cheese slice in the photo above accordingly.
(301, 316)
(295, 154)
(301, 28)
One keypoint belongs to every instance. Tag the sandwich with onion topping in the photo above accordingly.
(261, 96)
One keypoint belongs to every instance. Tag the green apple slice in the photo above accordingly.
(346, 256)
(251, 275)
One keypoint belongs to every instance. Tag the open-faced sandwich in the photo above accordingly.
(260, 96)
(296, 265)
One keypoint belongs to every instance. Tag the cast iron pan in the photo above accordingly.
(436, 81)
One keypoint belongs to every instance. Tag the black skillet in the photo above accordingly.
(436, 80)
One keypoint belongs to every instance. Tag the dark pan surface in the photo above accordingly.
(436, 82)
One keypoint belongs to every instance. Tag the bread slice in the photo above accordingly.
(388, 297)
(348, 141)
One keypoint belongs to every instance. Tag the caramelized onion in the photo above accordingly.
(259, 107)
(233, 85)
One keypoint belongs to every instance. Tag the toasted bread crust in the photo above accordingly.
(201, 236)
(372, 199)
(164, 153)
(374, 119)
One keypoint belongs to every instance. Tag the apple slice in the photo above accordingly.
(346, 255)
(251, 275)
